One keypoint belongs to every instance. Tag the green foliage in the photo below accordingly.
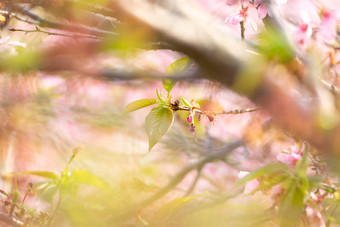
(157, 124)
(24, 61)
(291, 205)
(175, 68)
(275, 46)
(271, 169)
(139, 104)
(186, 102)
(41, 173)
(172, 210)
(295, 183)
(66, 183)
(80, 176)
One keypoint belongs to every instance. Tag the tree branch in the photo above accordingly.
(225, 151)
(10, 220)
(42, 22)
(38, 30)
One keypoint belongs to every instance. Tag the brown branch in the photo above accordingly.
(42, 22)
(38, 30)
(227, 149)
(221, 57)
(10, 220)
(238, 111)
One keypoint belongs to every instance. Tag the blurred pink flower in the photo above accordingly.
(262, 8)
(327, 28)
(233, 2)
(304, 31)
(242, 15)
(314, 216)
(190, 118)
(250, 185)
(9, 47)
(290, 157)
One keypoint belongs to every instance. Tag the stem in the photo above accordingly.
(242, 30)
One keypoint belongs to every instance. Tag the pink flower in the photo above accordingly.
(304, 31)
(190, 118)
(290, 157)
(315, 218)
(327, 28)
(234, 2)
(9, 47)
(262, 10)
(250, 185)
(241, 16)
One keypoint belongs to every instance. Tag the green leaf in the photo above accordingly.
(178, 66)
(170, 208)
(272, 180)
(265, 170)
(159, 97)
(49, 193)
(16, 196)
(186, 102)
(157, 124)
(86, 177)
(168, 84)
(139, 104)
(291, 206)
(276, 46)
(45, 174)
(174, 68)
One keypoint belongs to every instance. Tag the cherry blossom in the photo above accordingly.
(304, 31)
(241, 16)
(291, 156)
(233, 2)
(314, 216)
(327, 28)
(7, 46)
(262, 8)
(251, 185)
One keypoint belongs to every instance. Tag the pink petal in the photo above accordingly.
(252, 23)
(281, 1)
(287, 159)
(231, 2)
(245, 3)
(262, 11)
(327, 29)
(189, 119)
(251, 186)
(243, 174)
(257, 2)
(234, 19)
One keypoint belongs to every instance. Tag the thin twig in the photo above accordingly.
(37, 29)
(10, 220)
(193, 185)
(238, 111)
(42, 22)
(331, 87)
(242, 30)
(227, 149)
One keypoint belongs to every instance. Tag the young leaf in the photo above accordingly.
(40, 173)
(176, 67)
(291, 206)
(172, 207)
(139, 104)
(159, 97)
(85, 177)
(186, 102)
(157, 124)
(16, 196)
(265, 170)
